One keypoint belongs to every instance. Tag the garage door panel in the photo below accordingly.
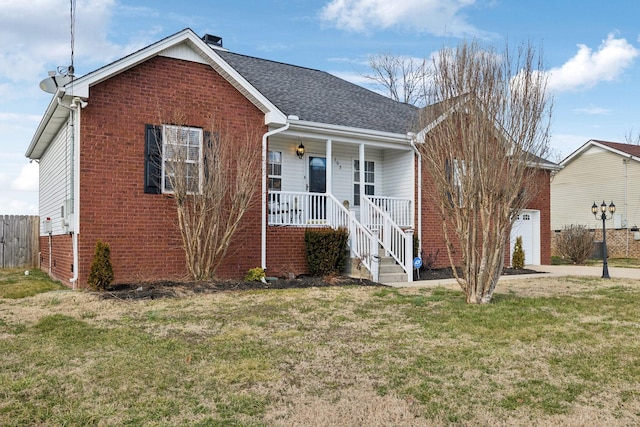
(528, 226)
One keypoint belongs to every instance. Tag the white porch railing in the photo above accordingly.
(306, 209)
(375, 226)
(396, 242)
(400, 210)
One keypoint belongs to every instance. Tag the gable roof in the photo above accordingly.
(318, 96)
(277, 89)
(625, 150)
(631, 149)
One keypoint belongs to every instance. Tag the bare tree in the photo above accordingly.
(484, 133)
(401, 77)
(213, 176)
(632, 138)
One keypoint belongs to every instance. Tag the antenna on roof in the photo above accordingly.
(62, 75)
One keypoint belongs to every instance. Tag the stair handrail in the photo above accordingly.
(395, 241)
(363, 242)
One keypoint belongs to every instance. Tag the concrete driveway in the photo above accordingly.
(545, 270)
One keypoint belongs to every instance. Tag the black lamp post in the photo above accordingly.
(603, 216)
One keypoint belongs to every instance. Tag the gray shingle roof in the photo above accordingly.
(318, 96)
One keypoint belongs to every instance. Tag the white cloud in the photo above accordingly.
(439, 17)
(592, 111)
(27, 180)
(10, 205)
(36, 37)
(588, 68)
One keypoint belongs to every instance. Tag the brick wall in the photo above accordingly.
(285, 251)
(542, 202)
(433, 238)
(141, 228)
(61, 259)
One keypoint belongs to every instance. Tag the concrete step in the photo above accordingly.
(389, 271)
(392, 277)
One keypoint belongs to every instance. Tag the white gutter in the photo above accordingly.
(263, 237)
(418, 208)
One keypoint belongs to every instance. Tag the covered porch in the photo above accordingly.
(366, 187)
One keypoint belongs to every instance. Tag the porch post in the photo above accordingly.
(408, 254)
(361, 162)
(329, 169)
(352, 232)
(374, 257)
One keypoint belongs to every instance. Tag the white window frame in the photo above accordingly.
(271, 169)
(369, 180)
(181, 136)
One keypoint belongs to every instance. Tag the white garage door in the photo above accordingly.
(528, 226)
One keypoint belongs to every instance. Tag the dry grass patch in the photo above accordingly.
(547, 351)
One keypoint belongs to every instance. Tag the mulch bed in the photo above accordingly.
(175, 289)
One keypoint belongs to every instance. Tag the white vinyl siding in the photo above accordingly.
(594, 176)
(292, 167)
(55, 181)
(399, 174)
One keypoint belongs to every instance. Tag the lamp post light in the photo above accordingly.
(603, 216)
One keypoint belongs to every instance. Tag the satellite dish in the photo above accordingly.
(52, 83)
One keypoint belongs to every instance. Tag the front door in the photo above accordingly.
(318, 184)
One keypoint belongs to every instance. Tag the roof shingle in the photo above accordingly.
(318, 96)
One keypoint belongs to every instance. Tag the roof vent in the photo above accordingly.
(212, 40)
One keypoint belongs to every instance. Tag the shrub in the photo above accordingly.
(101, 274)
(517, 260)
(254, 275)
(575, 242)
(326, 250)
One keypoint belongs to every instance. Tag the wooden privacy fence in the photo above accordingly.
(19, 241)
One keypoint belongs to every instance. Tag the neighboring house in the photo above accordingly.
(334, 154)
(599, 171)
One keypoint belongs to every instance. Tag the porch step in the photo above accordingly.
(390, 271)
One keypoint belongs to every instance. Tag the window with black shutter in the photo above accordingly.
(153, 159)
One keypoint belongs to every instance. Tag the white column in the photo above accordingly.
(375, 259)
(329, 153)
(361, 161)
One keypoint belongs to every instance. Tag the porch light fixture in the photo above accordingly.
(300, 151)
(603, 216)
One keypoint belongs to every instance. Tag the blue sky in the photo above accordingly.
(591, 49)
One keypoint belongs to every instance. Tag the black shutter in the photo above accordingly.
(152, 159)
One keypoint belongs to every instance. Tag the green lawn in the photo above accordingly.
(14, 283)
(547, 351)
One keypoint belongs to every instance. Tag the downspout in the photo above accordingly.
(76, 105)
(263, 237)
(74, 238)
(626, 217)
(75, 181)
(412, 137)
